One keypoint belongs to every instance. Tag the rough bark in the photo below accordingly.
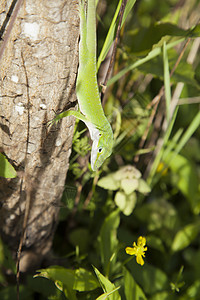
(38, 73)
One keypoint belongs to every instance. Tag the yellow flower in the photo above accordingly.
(162, 168)
(138, 250)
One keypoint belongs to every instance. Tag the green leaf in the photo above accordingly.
(6, 259)
(164, 296)
(143, 40)
(6, 169)
(79, 279)
(132, 289)
(108, 238)
(81, 146)
(195, 32)
(105, 296)
(150, 278)
(183, 73)
(111, 33)
(185, 236)
(158, 214)
(129, 6)
(133, 65)
(193, 291)
(109, 38)
(152, 178)
(166, 81)
(191, 149)
(194, 125)
(66, 289)
(44, 287)
(107, 286)
(186, 178)
(155, 242)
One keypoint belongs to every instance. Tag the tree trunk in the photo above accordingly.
(38, 73)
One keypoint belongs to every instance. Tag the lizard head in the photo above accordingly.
(102, 146)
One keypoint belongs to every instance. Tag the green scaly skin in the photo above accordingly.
(91, 111)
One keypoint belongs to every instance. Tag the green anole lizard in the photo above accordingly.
(91, 111)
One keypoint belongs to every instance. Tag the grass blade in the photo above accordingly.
(166, 81)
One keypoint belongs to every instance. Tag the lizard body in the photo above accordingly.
(91, 111)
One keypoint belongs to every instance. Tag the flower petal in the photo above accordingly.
(134, 244)
(140, 260)
(130, 251)
(138, 250)
(141, 241)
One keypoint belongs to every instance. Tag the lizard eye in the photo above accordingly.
(100, 149)
(100, 134)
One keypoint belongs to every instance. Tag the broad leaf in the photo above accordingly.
(108, 287)
(108, 238)
(79, 279)
(132, 289)
(185, 236)
(143, 40)
(150, 279)
(6, 169)
(186, 178)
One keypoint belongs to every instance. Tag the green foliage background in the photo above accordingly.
(117, 205)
